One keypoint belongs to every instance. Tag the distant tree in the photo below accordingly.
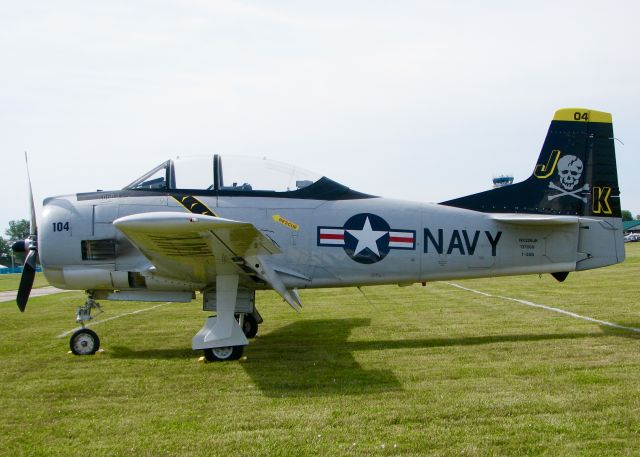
(19, 230)
(5, 253)
(626, 215)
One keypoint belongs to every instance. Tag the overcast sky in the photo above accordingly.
(418, 100)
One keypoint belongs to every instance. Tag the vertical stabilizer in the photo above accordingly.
(575, 173)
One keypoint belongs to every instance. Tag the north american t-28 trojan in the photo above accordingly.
(227, 226)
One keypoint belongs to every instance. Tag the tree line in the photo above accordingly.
(18, 230)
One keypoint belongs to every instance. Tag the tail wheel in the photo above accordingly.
(84, 342)
(223, 354)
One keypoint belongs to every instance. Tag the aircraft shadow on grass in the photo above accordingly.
(310, 358)
(315, 358)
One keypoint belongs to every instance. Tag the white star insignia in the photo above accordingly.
(367, 238)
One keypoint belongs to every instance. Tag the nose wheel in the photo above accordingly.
(84, 342)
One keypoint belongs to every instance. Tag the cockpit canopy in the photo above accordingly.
(239, 176)
(234, 173)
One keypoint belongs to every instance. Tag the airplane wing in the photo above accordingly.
(197, 248)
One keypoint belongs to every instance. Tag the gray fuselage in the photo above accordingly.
(431, 242)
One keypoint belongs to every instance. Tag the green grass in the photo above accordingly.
(11, 282)
(419, 370)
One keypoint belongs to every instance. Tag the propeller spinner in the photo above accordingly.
(31, 245)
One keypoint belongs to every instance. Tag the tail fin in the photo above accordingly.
(575, 174)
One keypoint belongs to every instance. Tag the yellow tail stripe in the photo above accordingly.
(582, 115)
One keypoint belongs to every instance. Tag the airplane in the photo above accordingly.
(227, 226)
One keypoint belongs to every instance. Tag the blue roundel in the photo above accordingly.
(366, 238)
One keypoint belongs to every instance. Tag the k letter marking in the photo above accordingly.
(601, 200)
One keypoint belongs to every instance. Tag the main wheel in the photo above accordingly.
(84, 342)
(223, 354)
(250, 326)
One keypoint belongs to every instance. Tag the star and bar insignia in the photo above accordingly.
(366, 238)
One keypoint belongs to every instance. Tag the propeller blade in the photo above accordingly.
(29, 269)
(33, 229)
(26, 280)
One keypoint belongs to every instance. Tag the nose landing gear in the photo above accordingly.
(85, 341)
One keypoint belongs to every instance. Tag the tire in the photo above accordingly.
(223, 354)
(250, 326)
(84, 342)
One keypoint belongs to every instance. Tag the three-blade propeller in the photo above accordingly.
(30, 245)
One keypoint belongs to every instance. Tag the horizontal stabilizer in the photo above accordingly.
(534, 219)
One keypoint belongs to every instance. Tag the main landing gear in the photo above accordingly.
(249, 324)
(85, 341)
(224, 336)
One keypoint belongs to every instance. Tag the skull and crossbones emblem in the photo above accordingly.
(570, 170)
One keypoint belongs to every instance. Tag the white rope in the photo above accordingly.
(549, 308)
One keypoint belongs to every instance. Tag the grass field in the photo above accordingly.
(11, 282)
(408, 371)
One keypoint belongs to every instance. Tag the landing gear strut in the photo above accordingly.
(84, 312)
(221, 338)
(85, 341)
